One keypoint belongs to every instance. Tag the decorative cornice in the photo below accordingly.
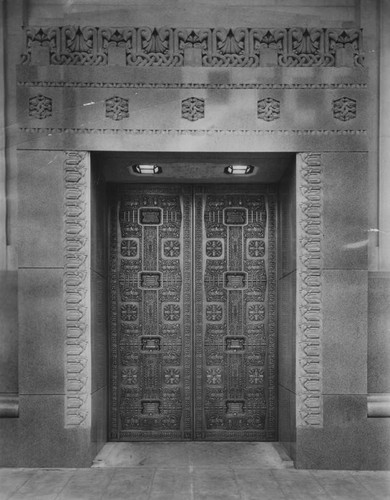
(309, 291)
(194, 132)
(76, 284)
(235, 47)
(206, 86)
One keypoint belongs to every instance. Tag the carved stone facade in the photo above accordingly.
(309, 289)
(177, 86)
(76, 290)
(149, 46)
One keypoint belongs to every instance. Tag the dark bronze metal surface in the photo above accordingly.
(192, 341)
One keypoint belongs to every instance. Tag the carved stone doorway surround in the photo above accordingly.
(77, 285)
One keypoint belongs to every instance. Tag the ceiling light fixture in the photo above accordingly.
(238, 169)
(147, 169)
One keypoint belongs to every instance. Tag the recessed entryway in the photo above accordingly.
(193, 312)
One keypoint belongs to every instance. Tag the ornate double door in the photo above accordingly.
(193, 305)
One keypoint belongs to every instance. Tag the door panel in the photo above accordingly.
(235, 313)
(151, 313)
(192, 343)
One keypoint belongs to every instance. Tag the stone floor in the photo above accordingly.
(192, 471)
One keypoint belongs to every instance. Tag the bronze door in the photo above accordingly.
(193, 304)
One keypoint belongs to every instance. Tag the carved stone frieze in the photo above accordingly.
(344, 109)
(194, 85)
(309, 289)
(194, 132)
(40, 107)
(164, 46)
(76, 282)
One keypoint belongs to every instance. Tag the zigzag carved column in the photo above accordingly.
(309, 291)
(76, 289)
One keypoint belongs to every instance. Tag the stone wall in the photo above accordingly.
(251, 77)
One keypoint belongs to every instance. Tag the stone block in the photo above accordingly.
(41, 331)
(99, 331)
(344, 341)
(99, 237)
(8, 332)
(345, 210)
(9, 439)
(268, 57)
(40, 211)
(287, 420)
(116, 56)
(348, 439)
(40, 54)
(287, 223)
(344, 57)
(92, 483)
(192, 56)
(44, 440)
(287, 331)
(99, 418)
(378, 332)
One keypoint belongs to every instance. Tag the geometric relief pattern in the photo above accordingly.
(221, 384)
(40, 107)
(76, 280)
(150, 285)
(268, 109)
(309, 307)
(117, 108)
(220, 46)
(235, 390)
(192, 109)
(344, 109)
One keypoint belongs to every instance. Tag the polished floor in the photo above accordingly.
(192, 471)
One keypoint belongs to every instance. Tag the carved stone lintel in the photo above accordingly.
(76, 280)
(220, 46)
(309, 291)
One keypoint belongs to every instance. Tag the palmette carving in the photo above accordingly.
(164, 46)
(76, 280)
(309, 321)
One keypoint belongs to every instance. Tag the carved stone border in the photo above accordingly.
(151, 46)
(76, 290)
(194, 132)
(309, 291)
(195, 85)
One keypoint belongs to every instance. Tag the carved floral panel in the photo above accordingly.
(344, 109)
(221, 46)
(40, 107)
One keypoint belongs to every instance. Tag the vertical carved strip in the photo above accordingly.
(309, 291)
(272, 315)
(76, 288)
(187, 311)
(198, 314)
(114, 327)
